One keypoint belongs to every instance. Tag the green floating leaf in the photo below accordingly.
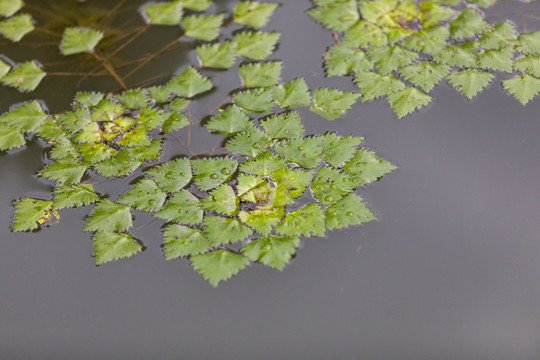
(136, 137)
(183, 241)
(16, 27)
(94, 153)
(295, 93)
(529, 64)
(388, 59)
(4, 68)
(389, 13)
(470, 82)
(342, 60)
(256, 45)
(366, 167)
(263, 164)
(203, 27)
(330, 185)
(408, 100)
(261, 75)
(175, 122)
(79, 40)
(222, 200)
(262, 221)
(332, 103)
(183, 207)
(307, 221)
(502, 34)
(26, 117)
(284, 126)
(10, 7)
(463, 55)
(373, 85)
(349, 211)
(24, 77)
(144, 195)
(88, 98)
(363, 34)
(523, 87)
(189, 83)
(196, 5)
(250, 142)
(497, 60)
(111, 246)
(222, 230)
(172, 176)
(337, 150)
(31, 213)
(305, 152)
(482, 3)
(529, 43)
(210, 173)
(10, 138)
(164, 13)
(337, 15)
(253, 14)
(425, 74)
(110, 217)
(273, 251)
(430, 41)
(469, 23)
(432, 14)
(229, 122)
(66, 171)
(134, 99)
(68, 196)
(256, 101)
(218, 265)
(218, 56)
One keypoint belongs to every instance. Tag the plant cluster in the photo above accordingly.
(401, 49)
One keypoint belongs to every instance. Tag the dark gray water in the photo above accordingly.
(450, 271)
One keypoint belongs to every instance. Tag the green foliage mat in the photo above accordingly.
(273, 186)
(401, 49)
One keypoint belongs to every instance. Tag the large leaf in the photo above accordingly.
(470, 82)
(110, 217)
(24, 77)
(26, 117)
(78, 40)
(523, 87)
(66, 171)
(67, 196)
(31, 213)
(332, 103)
(16, 27)
(218, 265)
(111, 246)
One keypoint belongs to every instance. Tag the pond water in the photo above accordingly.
(450, 270)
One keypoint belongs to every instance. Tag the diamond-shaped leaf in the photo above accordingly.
(189, 83)
(16, 27)
(67, 196)
(332, 103)
(349, 211)
(79, 40)
(254, 14)
(111, 246)
(164, 13)
(109, 216)
(183, 241)
(256, 45)
(24, 77)
(216, 266)
(203, 27)
(31, 213)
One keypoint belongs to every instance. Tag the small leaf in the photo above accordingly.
(210, 173)
(470, 82)
(338, 15)
(134, 99)
(307, 221)
(176, 121)
(337, 150)
(218, 56)
(107, 110)
(189, 83)
(524, 87)
(253, 14)
(203, 27)
(216, 266)
(349, 211)
(294, 93)
(88, 98)
(500, 35)
(342, 60)
(183, 207)
(79, 40)
(229, 122)
(388, 59)
(26, 117)
(109, 216)
(152, 118)
(273, 251)
(172, 176)
(529, 43)
(68, 196)
(10, 7)
(159, 93)
(164, 13)
(425, 74)
(432, 14)
(30, 213)
(330, 185)
(144, 195)
(111, 246)
(94, 153)
(262, 221)
(260, 75)
(463, 55)
(284, 126)
(305, 152)
(529, 64)
(263, 164)
(136, 137)
(366, 167)
(222, 230)
(24, 77)
(183, 241)
(497, 60)
(408, 100)
(75, 120)
(469, 23)
(332, 103)
(10, 138)
(222, 200)
(4, 67)
(363, 34)
(482, 3)
(66, 171)
(430, 41)
(256, 45)
(256, 101)
(16, 27)
(290, 184)
(250, 142)
(373, 85)
(196, 5)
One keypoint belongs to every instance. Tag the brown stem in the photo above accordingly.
(73, 74)
(48, 32)
(110, 69)
(133, 38)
